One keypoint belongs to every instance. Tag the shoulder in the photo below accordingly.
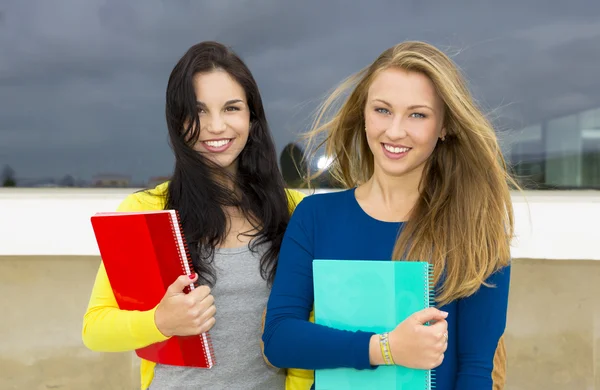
(331, 197)
(144, 200)
(325, 203)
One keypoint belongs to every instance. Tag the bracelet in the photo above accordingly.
(386, 352)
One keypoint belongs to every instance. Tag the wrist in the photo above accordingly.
(386, 349)
(375, 356)
(158, 323)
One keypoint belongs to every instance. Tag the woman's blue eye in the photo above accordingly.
(418, 115)
(382, 110)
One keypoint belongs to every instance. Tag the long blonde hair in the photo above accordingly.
(463, 220)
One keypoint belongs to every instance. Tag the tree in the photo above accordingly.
(67, 181)
(8, 177)
(293, 166)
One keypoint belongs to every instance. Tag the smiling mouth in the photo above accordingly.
(396, 149)
(217, 145)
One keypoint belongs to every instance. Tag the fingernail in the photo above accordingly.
(445, 313)
(192, 276)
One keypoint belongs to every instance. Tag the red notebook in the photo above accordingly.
(150, 247)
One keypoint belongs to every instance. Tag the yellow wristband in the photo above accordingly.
(386, 352)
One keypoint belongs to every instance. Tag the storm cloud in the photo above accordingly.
(82, 83)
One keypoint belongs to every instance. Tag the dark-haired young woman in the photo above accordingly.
(234, 210)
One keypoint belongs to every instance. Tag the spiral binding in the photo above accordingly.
(188, 266)
(430, 302)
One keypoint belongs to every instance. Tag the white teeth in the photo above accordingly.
(395, 150)
(217, 144)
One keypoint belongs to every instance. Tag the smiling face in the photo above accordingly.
(224, 118)
(403, 120)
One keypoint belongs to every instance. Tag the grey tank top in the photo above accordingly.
(240, 297)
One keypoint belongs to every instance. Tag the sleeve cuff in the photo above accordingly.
(363, 361)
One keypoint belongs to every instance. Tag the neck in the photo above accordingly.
(393, 191)
(225, 179)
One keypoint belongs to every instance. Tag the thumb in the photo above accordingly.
(181, 283)
(429, 314)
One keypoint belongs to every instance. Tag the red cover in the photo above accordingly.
(143, 253)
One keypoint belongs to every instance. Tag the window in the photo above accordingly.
(561, 153)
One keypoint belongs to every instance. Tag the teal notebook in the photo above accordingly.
(370, 296)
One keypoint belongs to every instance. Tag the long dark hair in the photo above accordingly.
(197, 189)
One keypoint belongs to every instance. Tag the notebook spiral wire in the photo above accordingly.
(430, 299)
(210, 358)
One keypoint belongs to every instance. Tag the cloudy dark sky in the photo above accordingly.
(82, 82)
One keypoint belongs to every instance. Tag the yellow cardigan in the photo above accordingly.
(106, 328)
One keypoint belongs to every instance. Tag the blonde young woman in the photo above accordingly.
(426, 181)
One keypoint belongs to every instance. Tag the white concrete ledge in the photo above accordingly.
(560, 225)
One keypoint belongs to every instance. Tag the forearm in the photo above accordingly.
(474, 376)
(106, 328)
(375, 355)
(109, 329)
(295, 343)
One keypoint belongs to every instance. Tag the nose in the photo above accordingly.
(397, 128)
(215, 124)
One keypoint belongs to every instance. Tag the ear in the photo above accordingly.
(443, 134)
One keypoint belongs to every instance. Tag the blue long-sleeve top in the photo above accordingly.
(334, 226)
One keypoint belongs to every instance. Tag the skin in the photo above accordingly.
(403, 109)
(403, 112)
(224, 115)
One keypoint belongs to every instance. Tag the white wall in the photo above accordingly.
(550, 225)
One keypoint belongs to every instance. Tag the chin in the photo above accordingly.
(398, 170)
(228, 164)
(225, 164)
(221, 163)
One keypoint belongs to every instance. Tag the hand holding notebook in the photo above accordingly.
(151, 245)
(381, 296)
(414, 344)
(181, 314)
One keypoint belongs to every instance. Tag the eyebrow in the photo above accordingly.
(228, 102)
(410, 108)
